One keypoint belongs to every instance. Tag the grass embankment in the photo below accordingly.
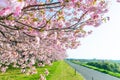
(58, 71)
(65, 72)
(99, 69)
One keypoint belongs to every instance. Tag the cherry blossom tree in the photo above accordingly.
(40, 31)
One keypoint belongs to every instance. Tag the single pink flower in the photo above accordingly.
(118, 0)
(5, 11)
(17, 11)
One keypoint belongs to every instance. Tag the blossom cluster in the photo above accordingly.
(40, 31)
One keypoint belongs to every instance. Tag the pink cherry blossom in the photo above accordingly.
(11, 6)
(46, 72)
(42, 77)
(118, 0)
(40, 32)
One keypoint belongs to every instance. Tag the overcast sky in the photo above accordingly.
(104, 42)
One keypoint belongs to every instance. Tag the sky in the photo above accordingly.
(104, 42)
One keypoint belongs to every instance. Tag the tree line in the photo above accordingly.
(107, 65)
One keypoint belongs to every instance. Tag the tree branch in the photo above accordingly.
(39, 5)
(33, 9)
(6, 26)
(2, 33)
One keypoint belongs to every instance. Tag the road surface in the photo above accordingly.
(90, 74)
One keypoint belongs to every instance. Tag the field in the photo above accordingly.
(58, 71)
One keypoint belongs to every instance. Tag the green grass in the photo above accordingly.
(103, 70)
(65, 72)
(58, 71)
(98, 69)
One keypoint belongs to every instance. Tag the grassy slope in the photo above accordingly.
(59, 71)
(103, 70)
(65, 72)
(98, 69)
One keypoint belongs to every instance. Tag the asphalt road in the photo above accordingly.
(90, 74)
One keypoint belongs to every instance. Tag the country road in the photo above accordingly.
(90, 74)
